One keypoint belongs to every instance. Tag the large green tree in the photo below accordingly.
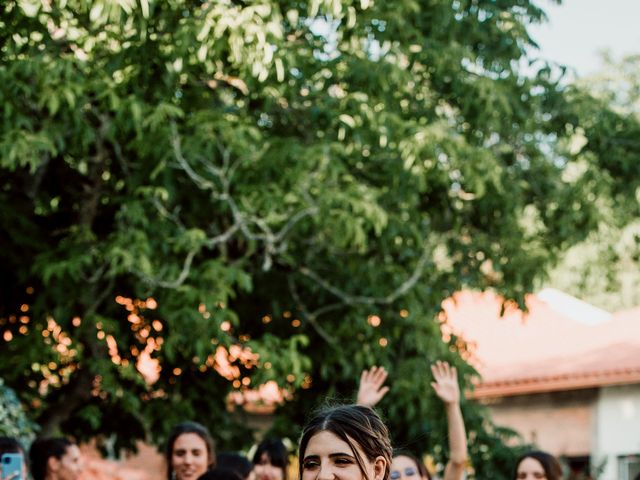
(198, 183)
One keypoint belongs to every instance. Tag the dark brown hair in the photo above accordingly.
(276, 452)
(551, 466)
(351, 423)
(220, 474)
(43, 449)
(10, 445)
(189, 427)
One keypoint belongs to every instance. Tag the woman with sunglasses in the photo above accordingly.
(404, 465)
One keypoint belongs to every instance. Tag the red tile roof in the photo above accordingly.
(543, 350)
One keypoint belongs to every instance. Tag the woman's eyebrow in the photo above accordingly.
(340, 454)
(331, 455)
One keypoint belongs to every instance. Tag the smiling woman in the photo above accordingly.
(189, 451)
(345, 443)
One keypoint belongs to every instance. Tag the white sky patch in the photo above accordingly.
(579, 30)
(573, 308)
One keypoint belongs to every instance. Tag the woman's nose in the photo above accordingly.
(326, 473)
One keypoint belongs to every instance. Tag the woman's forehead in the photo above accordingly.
(327, 442)
(403, 461)
(189, 441)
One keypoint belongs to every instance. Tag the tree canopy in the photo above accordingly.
(243, 192)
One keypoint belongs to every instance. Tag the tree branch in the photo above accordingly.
(350, 299)
(274, 243)
(186, 268)
(311, 317)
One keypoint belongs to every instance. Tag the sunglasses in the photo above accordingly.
(409, 472)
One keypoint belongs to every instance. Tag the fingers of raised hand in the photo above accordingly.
(379, 376)
(382, 392)
(436, 370)
(443, 371)
(374, 376)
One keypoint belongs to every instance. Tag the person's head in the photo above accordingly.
(538, 465)
(189, 451)
(55, 459)
(11, 445)
(220, 473)
(348, 442)
(406, 466)
(271, 460)
(236, 462)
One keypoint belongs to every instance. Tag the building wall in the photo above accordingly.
(617, 428)
(559, 422)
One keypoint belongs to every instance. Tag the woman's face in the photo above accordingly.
(328, 457)
(69, 466)
(265, 470)
(189, 457)
(404, 468)
(529, 469)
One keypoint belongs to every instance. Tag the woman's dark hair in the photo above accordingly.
(551, 466)
(236, 462)
(10, 445)
(42, 450)
(351, 423)
(275, 451)
(219, 473)
(181, 429)
(422, 469)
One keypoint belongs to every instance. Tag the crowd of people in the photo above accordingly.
(348, 442)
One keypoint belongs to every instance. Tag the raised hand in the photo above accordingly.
(370, 390)
(446, 382)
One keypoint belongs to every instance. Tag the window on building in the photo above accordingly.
(629, 467)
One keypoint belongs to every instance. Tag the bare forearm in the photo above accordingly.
(457, 443)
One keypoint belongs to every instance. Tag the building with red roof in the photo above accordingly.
(565, 375)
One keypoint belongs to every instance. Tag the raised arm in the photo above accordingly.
(370, 390)
(446, 387)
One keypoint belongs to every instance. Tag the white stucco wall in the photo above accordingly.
(559, 422)
(616, 427)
